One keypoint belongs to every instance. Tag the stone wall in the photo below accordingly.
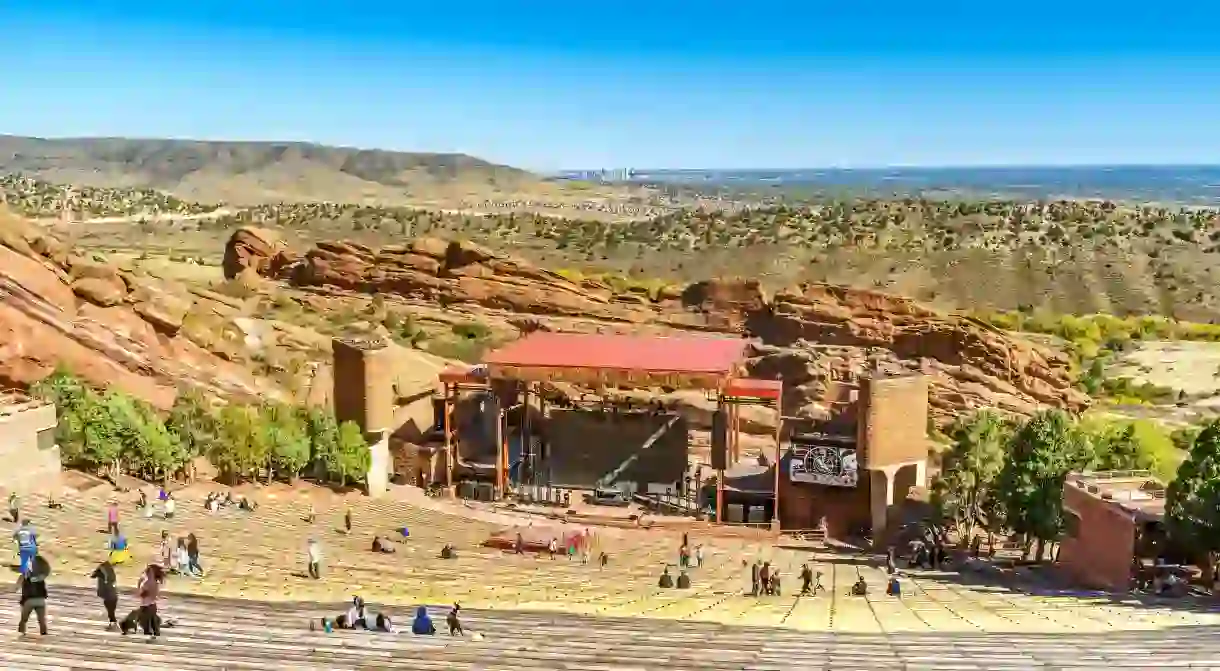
(29, 456)
(1100, 542)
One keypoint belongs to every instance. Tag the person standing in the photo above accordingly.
(14, 507)
(34, 595)
(169, 506)
(192, 555)
(27, 545)
(166, 550)
(112, 518)
(347, 520)
(314, 553)
(107, 590)
(149, 591)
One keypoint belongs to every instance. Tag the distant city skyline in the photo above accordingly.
(549, 86)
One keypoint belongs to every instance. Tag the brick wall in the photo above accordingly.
(1097, 551)
(893, 420)
(844, 508)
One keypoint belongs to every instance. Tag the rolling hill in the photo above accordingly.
(259, 172)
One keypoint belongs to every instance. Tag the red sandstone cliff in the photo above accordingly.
(114, 328)
(812, 335)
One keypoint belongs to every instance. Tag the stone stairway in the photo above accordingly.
(216, 634)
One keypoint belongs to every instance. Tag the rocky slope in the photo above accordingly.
(116, 328)
(813, 335)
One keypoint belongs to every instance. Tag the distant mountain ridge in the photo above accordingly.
(251, 172)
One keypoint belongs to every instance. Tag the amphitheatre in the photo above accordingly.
(411, 334)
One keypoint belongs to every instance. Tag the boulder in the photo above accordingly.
(99, 291)
(262, 249)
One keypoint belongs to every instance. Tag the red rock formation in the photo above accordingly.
(114, 330)
(813, 335)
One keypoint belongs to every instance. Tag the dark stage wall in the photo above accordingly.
(584, 446)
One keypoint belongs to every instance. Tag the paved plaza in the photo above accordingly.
(538, 613)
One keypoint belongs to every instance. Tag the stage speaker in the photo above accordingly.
(720, 441)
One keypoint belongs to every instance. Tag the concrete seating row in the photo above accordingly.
(235, 634)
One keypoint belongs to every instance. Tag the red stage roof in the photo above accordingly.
(715, 356)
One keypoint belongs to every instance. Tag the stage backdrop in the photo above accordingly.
(585, 445)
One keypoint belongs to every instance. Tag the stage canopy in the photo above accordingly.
(620, 360)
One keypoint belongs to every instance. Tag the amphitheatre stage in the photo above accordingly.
(252, 610)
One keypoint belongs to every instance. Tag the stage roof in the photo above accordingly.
(619, 359)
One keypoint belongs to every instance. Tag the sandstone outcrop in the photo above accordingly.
(814, 335)
(115, 330)
(260, 249)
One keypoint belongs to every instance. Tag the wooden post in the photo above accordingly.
(527, 440)
(779, 424)
(499, 437)
(448, 429)
(720, 496)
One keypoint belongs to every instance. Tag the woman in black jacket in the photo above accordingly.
(34, 595)
(107, 591)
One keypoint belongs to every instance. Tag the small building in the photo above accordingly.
(29, 455)
(1109, 516)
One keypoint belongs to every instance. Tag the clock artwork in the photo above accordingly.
(828, 465)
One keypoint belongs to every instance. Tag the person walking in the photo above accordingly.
(14, 507)
(149, 591)
(27, 545)
(107, 591)
(347, 520)
(314, 554)
(34, 595)
(170, 505)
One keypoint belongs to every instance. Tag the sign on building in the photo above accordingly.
(820, 464)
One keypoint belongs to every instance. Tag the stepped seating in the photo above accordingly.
(211, 633)
(260, 557)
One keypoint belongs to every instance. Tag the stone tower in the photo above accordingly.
(364, 394)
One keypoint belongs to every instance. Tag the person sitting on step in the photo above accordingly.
(382, 623)
(448, 552)
(894, 587)
(117, 546)
(382, 547)
(355, 618)
(860, 588)
(247, 505)
(53, 504)
(455, 625)
(422, 624)
(683, 580)
(666, 581)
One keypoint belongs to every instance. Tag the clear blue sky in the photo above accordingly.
(660, 83)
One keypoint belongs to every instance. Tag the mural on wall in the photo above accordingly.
(822, 464)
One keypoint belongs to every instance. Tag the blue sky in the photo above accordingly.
(548, 85)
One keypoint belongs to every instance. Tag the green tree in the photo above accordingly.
(970, 469)
(1042, 452)
(241, 448)
(193, 421)
(1192, 502)
(287, 437)
(323, 433)
(351, 458)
